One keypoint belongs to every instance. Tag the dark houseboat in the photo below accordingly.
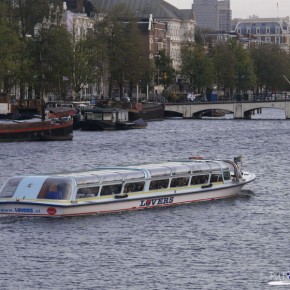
(98, 119)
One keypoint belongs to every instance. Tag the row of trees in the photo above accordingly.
(54, 60)
(234, 69)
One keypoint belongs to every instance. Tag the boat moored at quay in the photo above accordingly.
(36, 130)
(113, 189)
(99, 119)
(56, 124)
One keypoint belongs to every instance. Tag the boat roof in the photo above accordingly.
(15, 122)
(104, 110)
(145, 171)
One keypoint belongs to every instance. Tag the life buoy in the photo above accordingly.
(196, 157)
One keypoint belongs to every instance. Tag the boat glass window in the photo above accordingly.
(89, 116)
(199, 179)
(227, 175)
(231, 167)
(107, 117)
(134, 187)
(97, 116)
(88, 192)
(10, 187)
(55, 188)
(179, 182)
(111, 189)
(216, 177)
(159, 184)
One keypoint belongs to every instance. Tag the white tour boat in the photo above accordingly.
(111, 189)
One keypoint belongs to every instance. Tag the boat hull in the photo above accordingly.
(147, 112)
(93, 125)
(113, 204)
(36, 131)
(96, 125)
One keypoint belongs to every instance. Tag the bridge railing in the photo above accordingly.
(275, 97)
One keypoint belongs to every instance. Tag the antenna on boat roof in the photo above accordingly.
(239, 159)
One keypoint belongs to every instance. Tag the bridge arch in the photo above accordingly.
(210, 113)
(258, 110)
(258, 107)
(240, 110)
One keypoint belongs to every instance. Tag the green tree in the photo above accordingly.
(31, 12)
(224, 63)
(270, 64)
(136, 66)
(233, 67)
(165, 72)
(196, 67)
(87, 61)
(244, 68)
(124, 50)
(53, 55)
(17, 25)
(10, 49)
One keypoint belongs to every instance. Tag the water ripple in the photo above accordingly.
(226, 244)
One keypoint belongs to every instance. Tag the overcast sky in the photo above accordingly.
(246, 8)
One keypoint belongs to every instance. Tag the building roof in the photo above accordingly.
(262, 23)
(143, 8)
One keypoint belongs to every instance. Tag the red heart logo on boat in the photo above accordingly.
(51, 211)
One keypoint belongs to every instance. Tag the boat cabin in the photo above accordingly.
(113, 182)
(113, 115)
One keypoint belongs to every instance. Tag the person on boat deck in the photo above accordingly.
(127, 189)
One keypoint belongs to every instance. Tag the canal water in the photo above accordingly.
(238, 243)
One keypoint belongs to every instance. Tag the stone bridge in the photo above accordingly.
(240, 110)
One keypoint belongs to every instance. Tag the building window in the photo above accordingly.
(257, 30)
(248, 30)
(268, 30)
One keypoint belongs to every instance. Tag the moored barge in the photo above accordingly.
(36, 130)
